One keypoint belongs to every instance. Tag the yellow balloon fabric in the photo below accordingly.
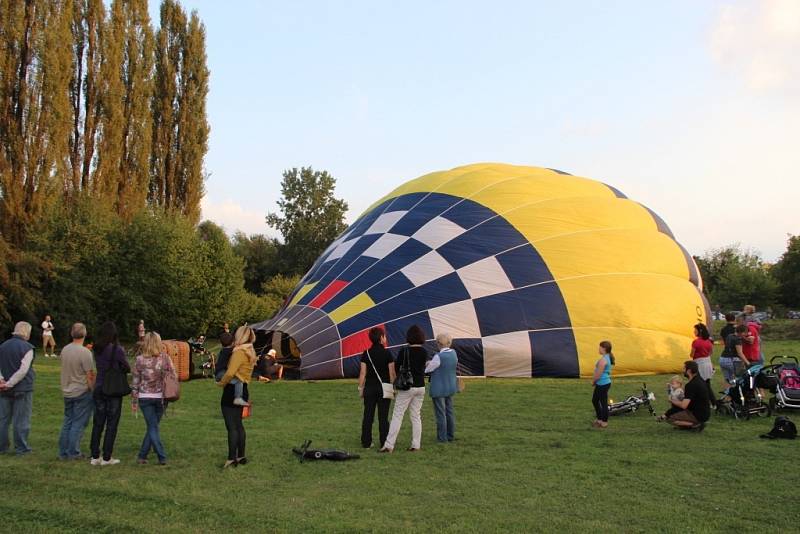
(527, 268)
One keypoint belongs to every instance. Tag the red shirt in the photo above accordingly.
(702, 347)
(752, 351)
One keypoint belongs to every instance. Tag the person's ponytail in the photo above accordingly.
(607, 347)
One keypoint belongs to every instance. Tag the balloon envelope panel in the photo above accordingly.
(527, 268)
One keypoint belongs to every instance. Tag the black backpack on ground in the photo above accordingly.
(783, 428)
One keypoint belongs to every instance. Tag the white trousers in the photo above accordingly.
(407, 400)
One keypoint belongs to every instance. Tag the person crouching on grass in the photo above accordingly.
(602, 383)
(695, 408)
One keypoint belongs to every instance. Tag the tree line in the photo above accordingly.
(103, 134)
(98, 104)
(733, 277)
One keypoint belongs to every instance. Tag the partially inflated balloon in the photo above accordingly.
(528, 269)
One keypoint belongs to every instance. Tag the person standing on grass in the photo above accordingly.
(140, 331)
(147, 393)
(77, 381)
(108, 353)
(444, 384)
(695, 408)
(241, 365)
(751, 343)
(16, 388)
(602, 383)
(377, 366)
(48, 341)
(413, 357)
(702, 347)
(732, 361)
(751, 321)
(729, 328)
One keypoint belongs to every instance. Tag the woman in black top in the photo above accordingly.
(413, 357)
(232, 414)
(108, 353)
(377, 366)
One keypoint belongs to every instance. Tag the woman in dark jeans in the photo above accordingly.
(108, 353)
(232, 414)
(377, 366)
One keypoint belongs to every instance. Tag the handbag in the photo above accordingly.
(172, 388)
(404, 380)
(115, 382)
(388, 390)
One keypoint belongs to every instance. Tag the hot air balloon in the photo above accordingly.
(527, 268)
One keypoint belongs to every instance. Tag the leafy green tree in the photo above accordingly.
(311, 217)
(733, 278)
(787, 273)
(260, 255)
(279, 287)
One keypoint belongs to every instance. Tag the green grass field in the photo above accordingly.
(525, 459)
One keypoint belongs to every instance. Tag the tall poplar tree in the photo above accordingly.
(180, 125)
(34, 120)
(87, 29)
(193, 128)
(123, 161)
(163, 159)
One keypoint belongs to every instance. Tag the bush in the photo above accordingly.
(88, 265)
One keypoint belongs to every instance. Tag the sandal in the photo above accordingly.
(229, 463)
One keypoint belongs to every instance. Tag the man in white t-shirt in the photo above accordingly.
(47, 337)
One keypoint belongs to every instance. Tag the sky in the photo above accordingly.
(691, 108)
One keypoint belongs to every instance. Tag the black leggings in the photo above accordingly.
(236, 434)
(600, 402)
(370, 403)
(711, 396)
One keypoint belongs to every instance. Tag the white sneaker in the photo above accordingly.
(95, 461)
(238, 401)
(111, 461)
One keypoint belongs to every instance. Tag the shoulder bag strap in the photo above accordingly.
(373, 367)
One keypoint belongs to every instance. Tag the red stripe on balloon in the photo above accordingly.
(356, 344)
(328, 293)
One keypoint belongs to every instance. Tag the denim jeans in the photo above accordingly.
(730, 368)
(16, 408)
(152, 410)
(76, 416)
(445, 418)
(107, 411)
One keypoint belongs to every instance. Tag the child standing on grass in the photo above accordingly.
(602, 383)
(224, 356)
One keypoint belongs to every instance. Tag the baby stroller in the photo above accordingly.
(786, 382)
(633, 403)
(744, 399)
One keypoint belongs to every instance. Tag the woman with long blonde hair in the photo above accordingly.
(147, 392)
(240, 366)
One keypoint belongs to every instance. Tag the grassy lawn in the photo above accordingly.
(525, 459)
